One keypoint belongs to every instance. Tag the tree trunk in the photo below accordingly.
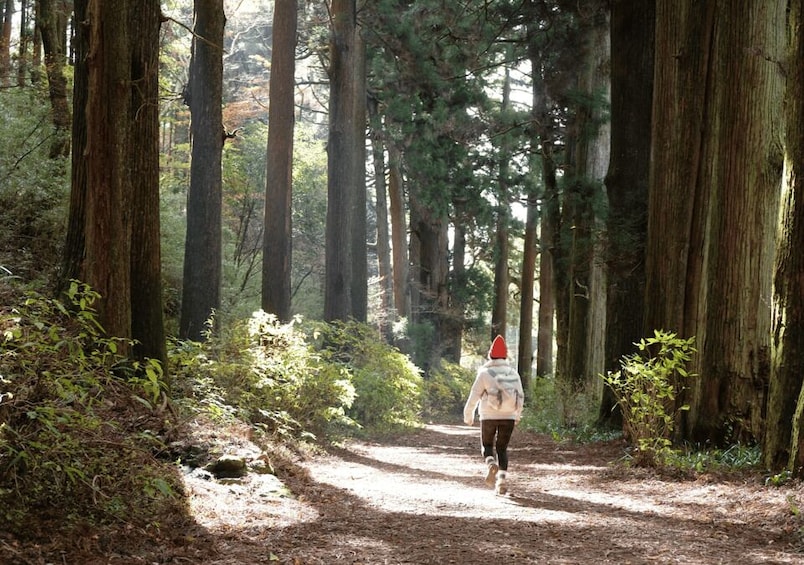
(386, 314)
(429, 259)
(548, 275)
(678, 204)
(713, 205)
(26, 39)
(345, 288)
(526, 306)
(108, 227)
(202, 250)
(456, 311)
(277, 248)
(53, 27)
(782, 445)
(399, 244)
(5, 43)
(632, 30)
(588, 160)
(74, 247)
(499, 312)
(743, 180)
(147, 319)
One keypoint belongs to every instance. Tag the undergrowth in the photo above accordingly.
(77, 440)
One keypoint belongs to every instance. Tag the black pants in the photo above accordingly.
(496, 434)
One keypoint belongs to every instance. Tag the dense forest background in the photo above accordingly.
(417, 177)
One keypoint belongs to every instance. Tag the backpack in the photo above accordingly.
(505, 398)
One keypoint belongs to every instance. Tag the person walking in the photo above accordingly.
(498, 397)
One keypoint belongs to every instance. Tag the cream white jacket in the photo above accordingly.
(504, 375)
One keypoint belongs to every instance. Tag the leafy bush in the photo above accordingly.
(446, 389)
(265, 373)
(388, 386)
(70, 433)
(34, 188)
(552, 410)
(645, 389)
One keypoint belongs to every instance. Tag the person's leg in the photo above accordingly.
(505, 429)
(488, 430)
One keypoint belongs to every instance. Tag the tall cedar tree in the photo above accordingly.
(714, 201)
(108, 226)
(73, 259)
(147, 320)
(386, 314)
(499, 311)
(5, 43)
(782, 446)
(345, 294)
(582, 307)
(52, 23)
(277, 248)
(743, 180)
(632, 25)
(201, 285)
(113, 227)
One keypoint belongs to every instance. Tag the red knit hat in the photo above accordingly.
(498, 348)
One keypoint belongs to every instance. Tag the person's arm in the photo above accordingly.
(471, 403)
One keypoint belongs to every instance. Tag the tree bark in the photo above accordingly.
(52, 24)
(713, 204)
(147, 318)
(499, 312)
(743, 180)
(386, 315)
(108, 226)
(549, 276)
(75, 241)
(632, 31)
(345, 295)
(202, 249)
(5, 43)
(588, 160)
(277, 241)
(399, 240)
(782, 444)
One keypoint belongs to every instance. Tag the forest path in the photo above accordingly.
(421, 499)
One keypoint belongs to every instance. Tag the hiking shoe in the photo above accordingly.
(501, 484)
(491, 473)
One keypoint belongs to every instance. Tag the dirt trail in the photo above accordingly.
(421, 499)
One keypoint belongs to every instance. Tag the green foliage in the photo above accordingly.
(70, 434)
(446, 389)
(265, 373)
(33, 187)
(552, 410)
(645, 389)
(735, 457)
(388, 385)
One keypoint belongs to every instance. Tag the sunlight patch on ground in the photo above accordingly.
(218, 506)
(447, 499)
(568, 467)
(613, 500)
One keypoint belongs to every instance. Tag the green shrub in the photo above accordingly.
(388, 386)
(446, 389)
(34, 191)
(267, 374)
(70, 433)
(645, 389)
